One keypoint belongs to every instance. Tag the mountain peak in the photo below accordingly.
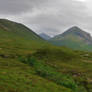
(78, 32)
(73, 37)
(75, 29)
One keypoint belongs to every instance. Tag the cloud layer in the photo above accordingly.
(48, 16)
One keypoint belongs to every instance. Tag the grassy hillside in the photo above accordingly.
(18, 77)
(17, 41)
(30, 64)
(77, 65)
(17, 38)
(49, 69)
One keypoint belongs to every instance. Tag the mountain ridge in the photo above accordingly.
(18, 37)
(15, 27)
(73, 36)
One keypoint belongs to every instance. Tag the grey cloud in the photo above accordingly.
(49, 16)
(58, 15)
(17, 6)
(13, 6)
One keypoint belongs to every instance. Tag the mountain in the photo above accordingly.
(18, 37)
(74, 38)
(18, 29)
(44, 36)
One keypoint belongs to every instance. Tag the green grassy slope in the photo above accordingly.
(30, 64)
(78, 65)
(18, 77)
(17, 38)
(18, 29)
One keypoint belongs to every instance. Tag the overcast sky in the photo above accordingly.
(49, 16)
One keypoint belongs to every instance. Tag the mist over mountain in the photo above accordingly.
(44, 36)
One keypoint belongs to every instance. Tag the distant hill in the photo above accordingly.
(74, 38)
(44, 36)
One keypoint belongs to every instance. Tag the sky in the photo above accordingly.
(49, 16)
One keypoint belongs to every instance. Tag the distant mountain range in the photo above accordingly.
(74, 38)
(44, 36)
(19, 35)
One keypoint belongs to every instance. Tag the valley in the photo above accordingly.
(28, 63)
